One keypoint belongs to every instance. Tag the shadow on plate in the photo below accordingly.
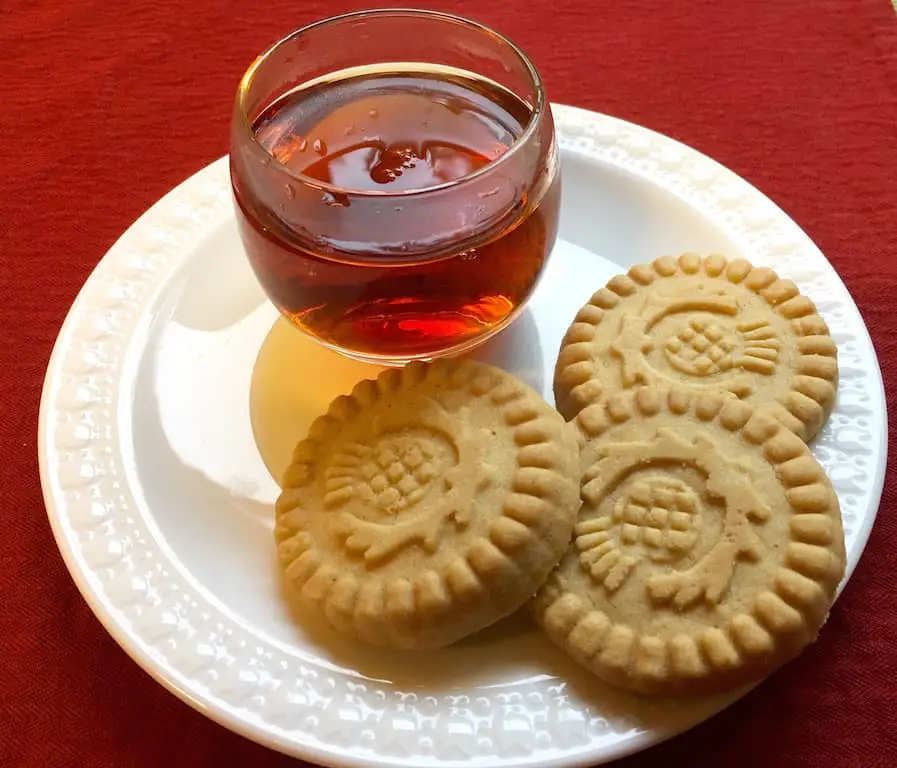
(295, 379)
(218, 287)
(518, 350)
(510, 652)
(512, 646)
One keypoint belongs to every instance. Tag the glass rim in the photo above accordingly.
(530, 129)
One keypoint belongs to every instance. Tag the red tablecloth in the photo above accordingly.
(104, 106)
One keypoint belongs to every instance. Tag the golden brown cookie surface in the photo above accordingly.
(428, 503)
(703, 324)
(707, 550)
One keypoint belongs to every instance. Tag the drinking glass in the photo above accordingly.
(389, 272)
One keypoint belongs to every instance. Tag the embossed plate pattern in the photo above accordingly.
(161, 502)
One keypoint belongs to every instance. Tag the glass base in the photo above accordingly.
(397, 361)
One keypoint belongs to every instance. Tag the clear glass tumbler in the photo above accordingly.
(396, 181)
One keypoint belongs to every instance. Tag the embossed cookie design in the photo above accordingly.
(704, 324)
(428, 504)
(707, 550)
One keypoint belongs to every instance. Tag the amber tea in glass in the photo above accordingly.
(396, 181)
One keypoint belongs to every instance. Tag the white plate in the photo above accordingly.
(173, 388)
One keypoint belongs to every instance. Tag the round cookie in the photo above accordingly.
(428, 504)
(708, 547)
(704, 324)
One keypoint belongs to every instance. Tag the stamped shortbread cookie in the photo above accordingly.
(428, 504)
(707, 550)
(705, 324)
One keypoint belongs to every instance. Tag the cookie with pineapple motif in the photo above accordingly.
(704, 324)
(427, 504)
(707, 550)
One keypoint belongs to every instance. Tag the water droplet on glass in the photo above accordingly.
(373, 113)
(490, 193)
(398, 209)
(303, 143)
(291, 193)
(320, 147)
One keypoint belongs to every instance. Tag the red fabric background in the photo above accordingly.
(104, 106)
